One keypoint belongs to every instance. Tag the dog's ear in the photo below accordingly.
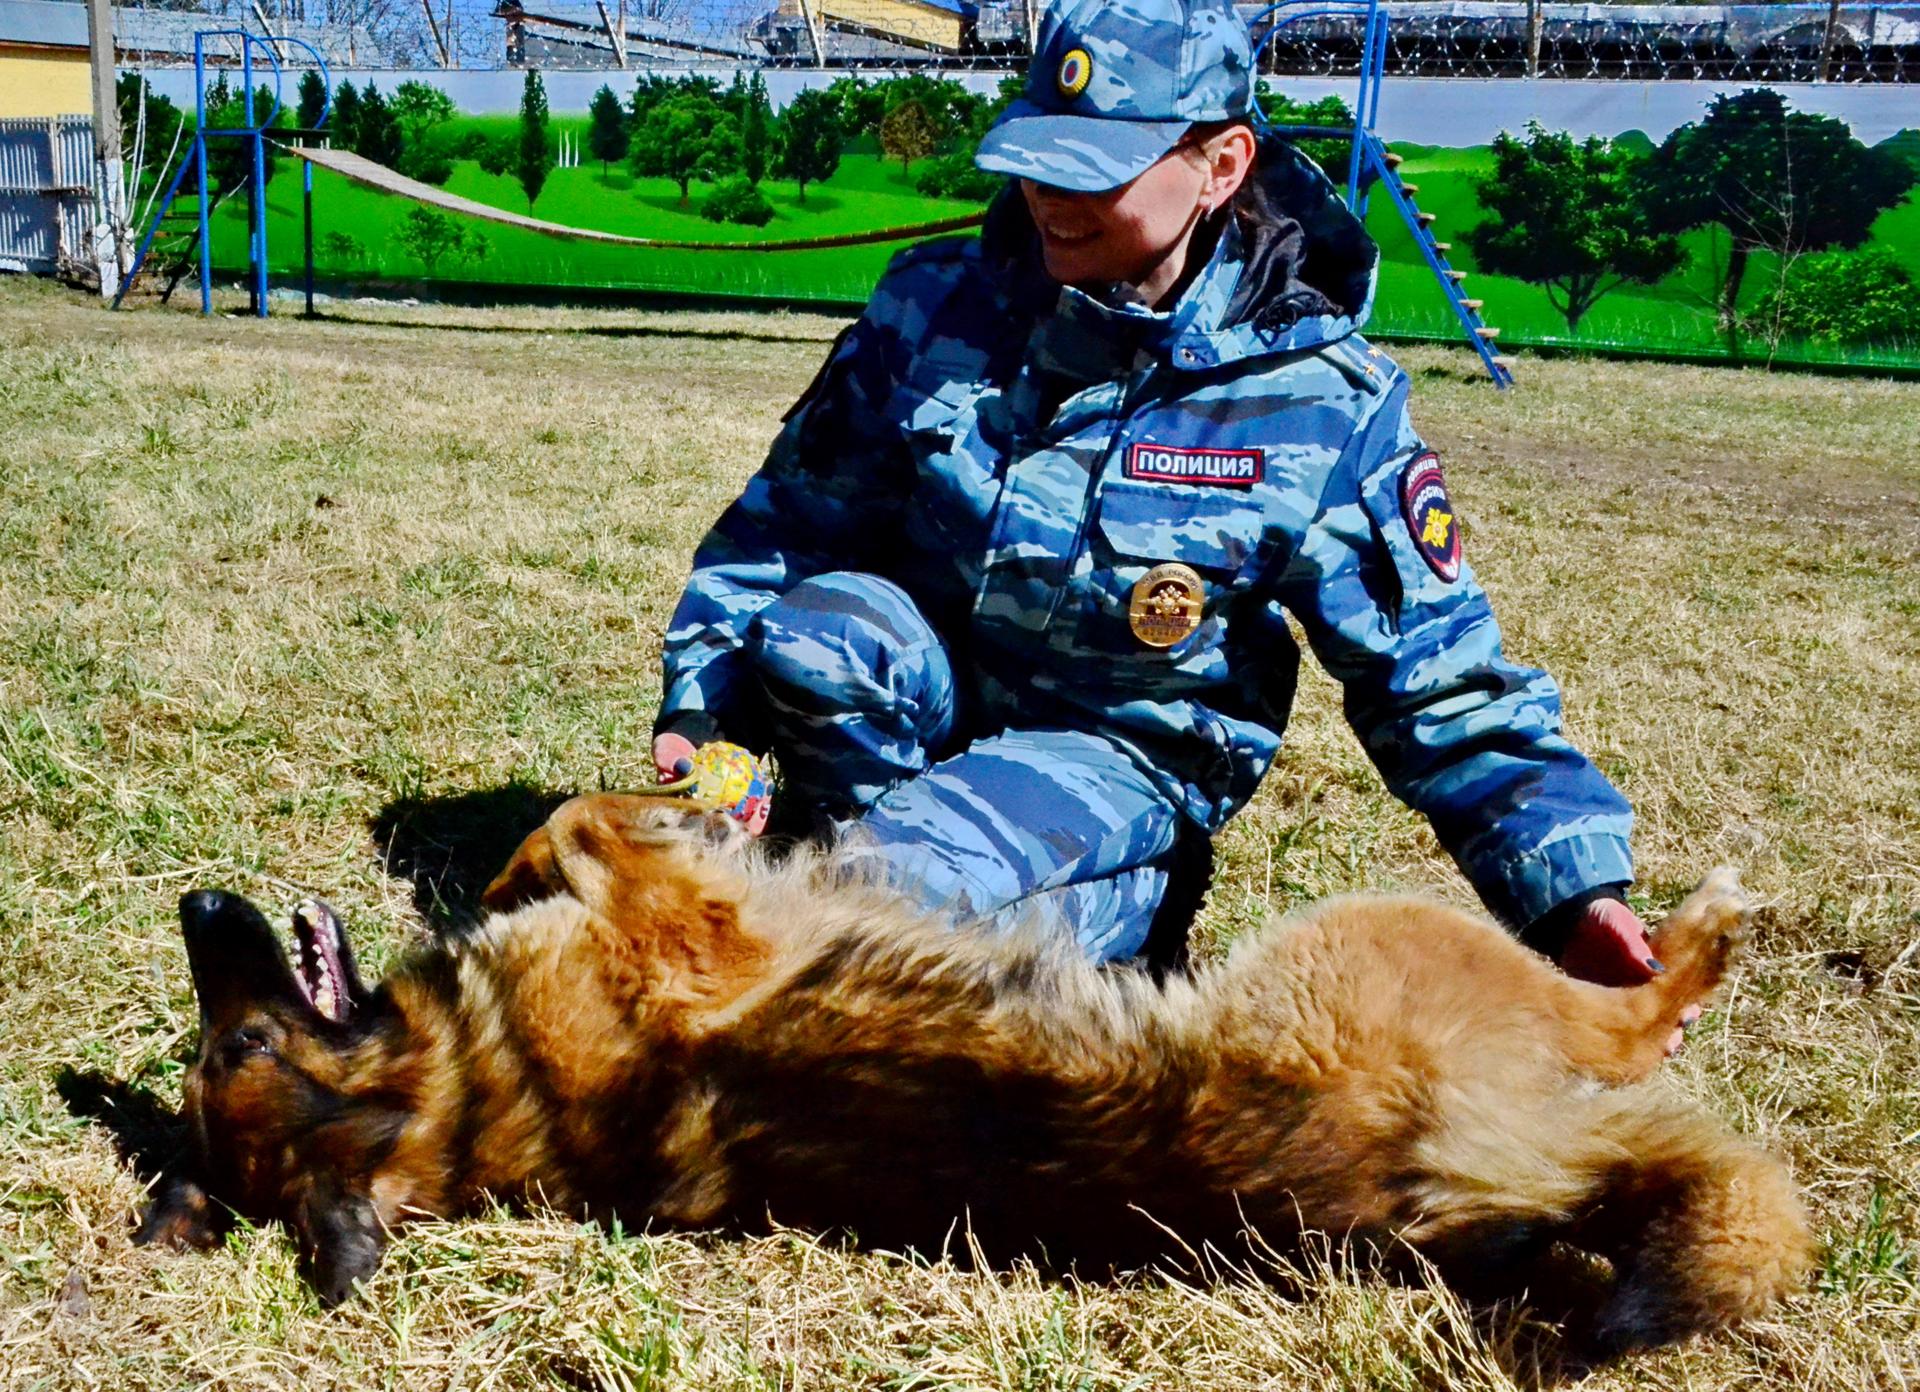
(532, 874)
(341, 1240)
(183, 1215)
(604, 846)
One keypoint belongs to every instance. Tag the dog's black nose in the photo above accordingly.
(197, 906)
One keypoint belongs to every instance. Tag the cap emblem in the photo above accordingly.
(1076, 71)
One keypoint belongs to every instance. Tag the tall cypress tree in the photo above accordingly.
(344, 124)
(535, 159)
(376, 130)
(313, 98)
(607, 135)
(756, 130)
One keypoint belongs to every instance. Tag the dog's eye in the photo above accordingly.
(244, 1044)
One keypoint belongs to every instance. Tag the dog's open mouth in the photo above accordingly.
(317, 961)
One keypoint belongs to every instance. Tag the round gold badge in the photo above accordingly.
(1076, 71)
(1166, 604)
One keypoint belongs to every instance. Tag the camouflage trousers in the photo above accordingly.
(860, 702)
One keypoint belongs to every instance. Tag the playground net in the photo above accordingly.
(1435, 38)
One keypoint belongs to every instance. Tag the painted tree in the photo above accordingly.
(420, 108)
(861, 104)
(376, 131)
(648, 93)
(950, 108)
(434, 238)
(756, 131)
(535, 157)
(1776, 180)
(686, 137)
(607, 128)
(907, 134)
(343, 125)
(811, 138)
(1570, 217)
(230, 162)
(313, 99)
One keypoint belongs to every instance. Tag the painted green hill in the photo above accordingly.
(1673, 316)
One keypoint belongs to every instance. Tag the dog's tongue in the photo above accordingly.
(317, 966)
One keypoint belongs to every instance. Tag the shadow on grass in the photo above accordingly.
(817, 202)
(673, 202)
(451, 847)
(148, 1136)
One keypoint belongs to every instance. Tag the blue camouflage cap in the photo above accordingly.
(1114, 85)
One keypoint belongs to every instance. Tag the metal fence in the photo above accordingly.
(47, 193)
(1799, 42)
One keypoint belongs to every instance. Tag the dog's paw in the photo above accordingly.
(1702, 936)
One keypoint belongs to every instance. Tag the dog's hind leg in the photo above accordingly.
(1620, 1035)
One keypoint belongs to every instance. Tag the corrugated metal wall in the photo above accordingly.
(46, 190)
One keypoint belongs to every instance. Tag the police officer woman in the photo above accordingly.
(1010, 590)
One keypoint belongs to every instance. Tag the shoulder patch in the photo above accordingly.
(1430, 515)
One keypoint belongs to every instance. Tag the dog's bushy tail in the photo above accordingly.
(1703, 1229)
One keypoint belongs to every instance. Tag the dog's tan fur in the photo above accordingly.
(659, 1021)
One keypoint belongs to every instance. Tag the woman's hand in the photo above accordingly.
(1609, 947)
(672, 757)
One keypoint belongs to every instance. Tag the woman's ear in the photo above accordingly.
(1229, 162)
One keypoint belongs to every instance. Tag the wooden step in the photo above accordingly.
(1487, 332)
(1456, 276)
(1503, 362)
(1410, 189)
(1473, 305)
(1443, 247)
(1394, 161)
(1425, 219)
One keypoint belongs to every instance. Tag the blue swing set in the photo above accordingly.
(254, 133)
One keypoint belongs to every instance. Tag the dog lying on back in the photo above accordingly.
(657, 1022)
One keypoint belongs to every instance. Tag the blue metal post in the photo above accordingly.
(1360, 107)
(256, 188)
(200, 168)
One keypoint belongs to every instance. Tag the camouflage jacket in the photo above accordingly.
(1017, 455)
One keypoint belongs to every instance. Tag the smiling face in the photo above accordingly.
(1138, 234)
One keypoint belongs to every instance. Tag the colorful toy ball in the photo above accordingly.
(729, 778)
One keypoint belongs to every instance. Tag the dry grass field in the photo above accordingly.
(344, 606)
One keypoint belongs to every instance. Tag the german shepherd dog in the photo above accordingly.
(658, 1021)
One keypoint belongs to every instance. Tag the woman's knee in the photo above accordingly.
(848, 640)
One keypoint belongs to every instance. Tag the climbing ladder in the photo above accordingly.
(1371, 162)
